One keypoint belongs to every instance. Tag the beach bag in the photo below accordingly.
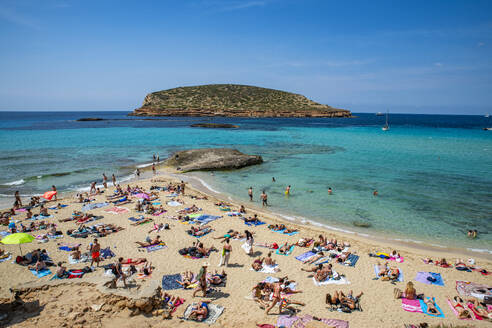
(19, 259)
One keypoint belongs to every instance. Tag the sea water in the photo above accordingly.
(432, 172)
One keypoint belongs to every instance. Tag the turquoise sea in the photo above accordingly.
(433, 172)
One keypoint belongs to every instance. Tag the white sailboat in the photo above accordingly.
(386, 127)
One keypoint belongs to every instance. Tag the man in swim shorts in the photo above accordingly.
(95, 249)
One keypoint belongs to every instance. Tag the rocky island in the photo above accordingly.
(206, 159)
(233, 100)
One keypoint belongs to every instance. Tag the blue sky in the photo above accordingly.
(406, 56)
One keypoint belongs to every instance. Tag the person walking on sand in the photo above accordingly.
(264, 199)
(250, 194)
(137, 172)
(105, 181)
(249, 241)
(182, 185)
(18, 198)
(114, 180)
(202, 280)
(93, 188)
(226, 253)
(153, 168)
(94, 250)
(53, 188)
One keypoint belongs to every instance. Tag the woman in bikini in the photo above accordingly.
(457, 304)
(277, 289)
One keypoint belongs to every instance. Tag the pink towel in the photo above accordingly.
(411, 305)
(454, 310)
(472, 309)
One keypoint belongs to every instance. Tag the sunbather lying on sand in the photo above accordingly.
(135, 261)
(159, 227)
(171, 301)
(458, 304)
(257, 264)
(216, 278)
(314, 258)
(480, 308)
(285, 248)
(187, 278)
(147, 268)
(203, 250)
(145, 220)
(304, 242)
(231, 234)
(442, 263)
(338, 298)
(254, 219)
(157, 240)
(200, 230)
(200, 312)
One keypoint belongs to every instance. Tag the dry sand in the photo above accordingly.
(68, 302)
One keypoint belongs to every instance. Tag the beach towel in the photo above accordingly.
(83, 258)
(206, 233)
(133, 219)
(423, 305)
(246, 247)
(159, 213)
(205, 218)
(174, 203)
(41, 273)
(288, 251)
(155, 247)
(322, 260)
(301, 322)
(4, 233)
(332, 281)
(56, 207)
(40, 217)
(456, 312)
(234, 214)
(268, 269)
(466, 288)
(169, 282)
(214, 312)
(117, 210)
(156, 203)
(254, 224)
(400, 276)
(91, 206)
(425, 276)
(411, 305)
(305, 256)
(471, 306)
(351, 260)
(22, 210)
(6, 258)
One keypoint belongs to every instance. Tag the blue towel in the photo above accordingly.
(107, 253)
(291, 233)
(41, 273)
(305, 256)
(55, 207)
(254, 224)
(353, 259)
(169, 282)
(424, 309)
(65, 248)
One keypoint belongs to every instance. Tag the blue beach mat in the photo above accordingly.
(205, 218)
(41, 273)
(305, 256)
(88, 207)
(425, 276)
(169, 282)
(254, 224)
(353, 260)
(56, 208)
(423, 306)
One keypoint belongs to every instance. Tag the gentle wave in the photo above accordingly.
(480, 250)
(14, 183)
(144, 165)
(206, 185)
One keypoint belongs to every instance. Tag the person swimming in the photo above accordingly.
(330, 191)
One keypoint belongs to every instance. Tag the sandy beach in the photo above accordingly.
(85, 302)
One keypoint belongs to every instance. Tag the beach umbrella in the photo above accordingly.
(142, 195)
(17, 239)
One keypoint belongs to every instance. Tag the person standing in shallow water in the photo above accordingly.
(250, 194)
(287, 191)
(375, 193)
(105, 181)
(273, 179)
(330, 191)
(18, 198)
(153, 168)
(53, 188)
(264, 199)
(114, 180)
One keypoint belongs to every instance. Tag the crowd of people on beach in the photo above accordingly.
(319, 262)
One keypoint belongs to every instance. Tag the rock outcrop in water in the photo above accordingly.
(206, 159)
(233, 100)
(215, 125)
